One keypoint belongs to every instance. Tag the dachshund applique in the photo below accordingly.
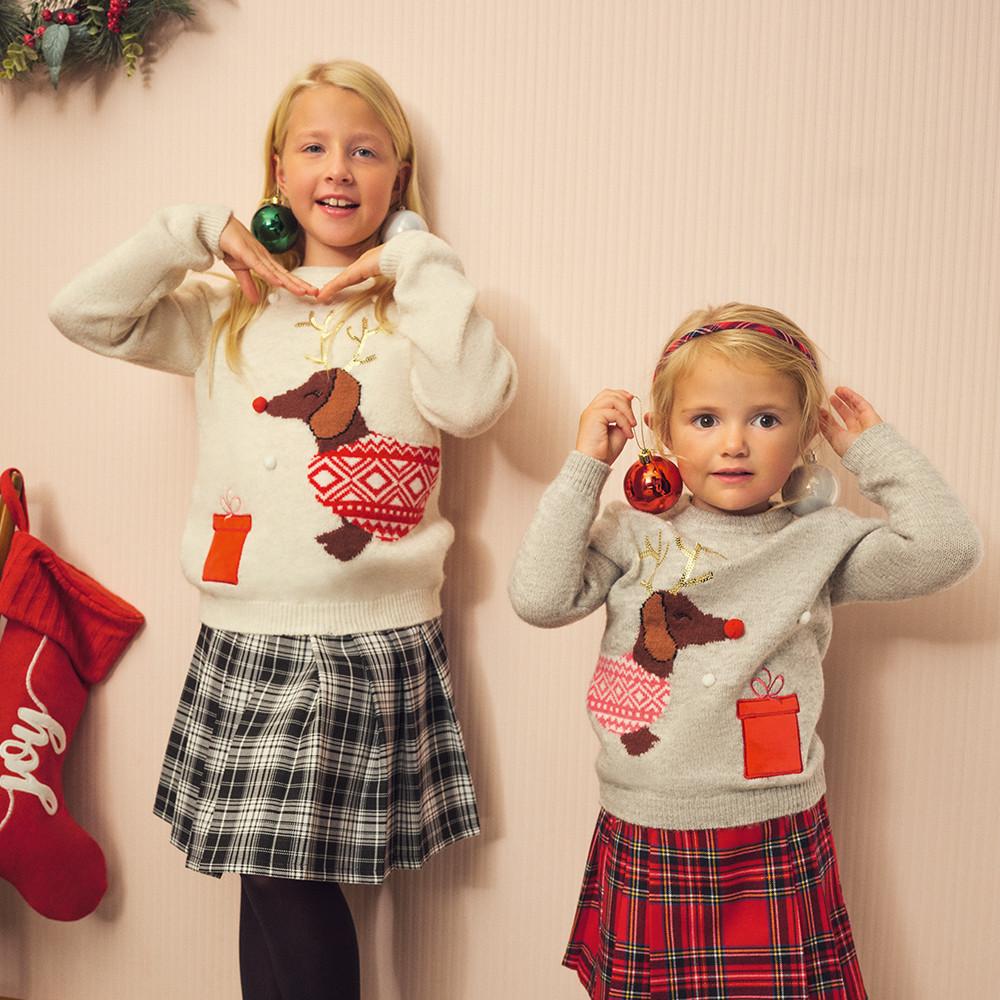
(628, 693)
(377, 485)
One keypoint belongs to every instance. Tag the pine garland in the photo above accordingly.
(79, 34)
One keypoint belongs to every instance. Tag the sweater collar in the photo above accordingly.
(697, 519)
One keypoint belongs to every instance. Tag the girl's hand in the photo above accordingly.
(606, 425)
(365, 267)
(855, 411)
(241, 253)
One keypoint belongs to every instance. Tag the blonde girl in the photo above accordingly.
(315, 741)
(712, 870)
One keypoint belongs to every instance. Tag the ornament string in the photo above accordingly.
(644, 449)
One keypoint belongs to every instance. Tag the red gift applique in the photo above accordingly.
(771, 744)
(222, 564)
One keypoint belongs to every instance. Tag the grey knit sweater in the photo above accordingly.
(709, 683)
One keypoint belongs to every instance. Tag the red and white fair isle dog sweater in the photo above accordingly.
(315, 507)
(709, 682)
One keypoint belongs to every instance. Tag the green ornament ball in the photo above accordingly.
(275, 227)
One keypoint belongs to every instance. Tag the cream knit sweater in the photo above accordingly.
(709, 683)
(315, 507)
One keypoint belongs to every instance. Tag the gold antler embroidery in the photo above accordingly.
(657, 555)
(327, 330)
(361, 341)
(686, 579)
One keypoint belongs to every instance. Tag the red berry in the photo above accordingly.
(60, 16)
(46, 14)
(28, 39)
(260, 404)
(39, 31)
(734, 628)
(71, 17)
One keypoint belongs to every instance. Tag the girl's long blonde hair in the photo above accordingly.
(740, 347)
(369, 85)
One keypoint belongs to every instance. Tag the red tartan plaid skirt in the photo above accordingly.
(745, 913)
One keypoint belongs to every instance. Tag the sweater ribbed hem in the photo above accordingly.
(712, 812)
(286, 618)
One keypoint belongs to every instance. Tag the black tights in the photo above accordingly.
(297, 941)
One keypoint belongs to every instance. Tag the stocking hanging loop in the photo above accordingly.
(13, 496)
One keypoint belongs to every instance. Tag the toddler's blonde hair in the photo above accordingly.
(369, 85)
(741, 347)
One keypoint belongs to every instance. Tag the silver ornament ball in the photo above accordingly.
(810, 488)
(401, 222)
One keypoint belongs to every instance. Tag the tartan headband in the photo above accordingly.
(771, 331)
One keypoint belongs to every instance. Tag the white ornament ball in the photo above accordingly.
(810, 488)
(401, 222)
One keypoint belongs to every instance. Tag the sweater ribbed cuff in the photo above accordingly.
(872, 445)
(392, 252)
(414, 244)
(211, 221)
(586, 475)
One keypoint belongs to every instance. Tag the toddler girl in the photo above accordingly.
(712, 871)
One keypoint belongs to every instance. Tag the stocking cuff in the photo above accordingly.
(46, 593)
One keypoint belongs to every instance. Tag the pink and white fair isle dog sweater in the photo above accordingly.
(315, 506)
(709, 682)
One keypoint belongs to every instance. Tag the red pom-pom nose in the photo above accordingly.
(734, 628)
(653, 484)
(260, 404)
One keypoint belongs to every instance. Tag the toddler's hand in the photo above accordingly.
(606, 425)
(365, 267)
(241, 253)
(857, 414)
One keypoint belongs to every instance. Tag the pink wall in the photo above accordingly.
(602, 168)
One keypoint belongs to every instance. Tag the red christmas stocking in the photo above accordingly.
(60, 631)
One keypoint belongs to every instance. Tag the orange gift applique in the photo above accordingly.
(771, 744)
(222, 564)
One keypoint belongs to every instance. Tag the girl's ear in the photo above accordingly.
(279, 172)
(402, 181)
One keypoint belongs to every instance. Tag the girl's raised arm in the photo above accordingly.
(463, 378)
(129, 304)
(566, 563)
(928, 542)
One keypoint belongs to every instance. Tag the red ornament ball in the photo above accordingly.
(260, 404)
(653, 484)
(734, 628)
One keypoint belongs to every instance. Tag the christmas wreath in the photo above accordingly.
(83, 33)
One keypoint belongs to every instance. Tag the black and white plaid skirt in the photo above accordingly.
(335, 758)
